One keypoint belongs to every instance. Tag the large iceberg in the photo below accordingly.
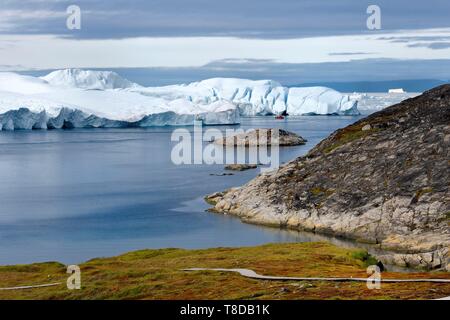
(78, 99)
(262, 97)
(75, 98)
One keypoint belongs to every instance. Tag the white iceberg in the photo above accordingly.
(398, 90)
(319, 100)
(88, 79)
(85, 98)
(375, 101)
(262, 97)
(75, 99)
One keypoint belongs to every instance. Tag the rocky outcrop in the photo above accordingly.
(382, 180)
(240, 167)
(258, 137)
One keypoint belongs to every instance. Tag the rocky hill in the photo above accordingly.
(382, 180)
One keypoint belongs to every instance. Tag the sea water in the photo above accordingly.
(72, 195)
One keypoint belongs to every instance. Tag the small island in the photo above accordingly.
(262, 137)
(240, 167)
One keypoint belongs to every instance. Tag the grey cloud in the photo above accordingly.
(354, 70)
(432, 45)
(292, 74)
(413, 40)
(431, 42)
(349, 53)
(247, 19)
(14, 67)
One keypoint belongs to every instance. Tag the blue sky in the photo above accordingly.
(259, 38)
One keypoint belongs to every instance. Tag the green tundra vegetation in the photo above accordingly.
(158, 274)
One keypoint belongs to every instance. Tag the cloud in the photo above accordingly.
(353, 70)
(410, 38)
(421, 41)
(50, 51)
(14, 67)
(349, 53)
(257, 19)
(431, 45)
(292, 73)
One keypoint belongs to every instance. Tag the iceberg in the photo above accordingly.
(98, 99)
(75, 98)
(261, 97)
(319, 100)
(398, 90)
(87, 79)
(376, 101)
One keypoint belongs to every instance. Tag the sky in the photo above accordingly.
(300, 40)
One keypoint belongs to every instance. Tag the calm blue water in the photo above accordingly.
(78, 194)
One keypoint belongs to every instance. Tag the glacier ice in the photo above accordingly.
(75, 98)
(24, 119)
(375, 101)
(87, 79)
(262, 97)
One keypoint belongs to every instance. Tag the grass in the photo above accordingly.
(320, 194)
(210, 201)
(365, 257)
(447, 218)
(423, 191)
(347, 135)
(318, 191)
(156, 274)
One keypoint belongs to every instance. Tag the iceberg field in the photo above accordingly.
(75, 98)
(376, 101)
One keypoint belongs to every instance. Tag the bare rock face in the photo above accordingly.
(258, 137)
(382, 180)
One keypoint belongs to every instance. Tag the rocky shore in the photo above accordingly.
(382, 180)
